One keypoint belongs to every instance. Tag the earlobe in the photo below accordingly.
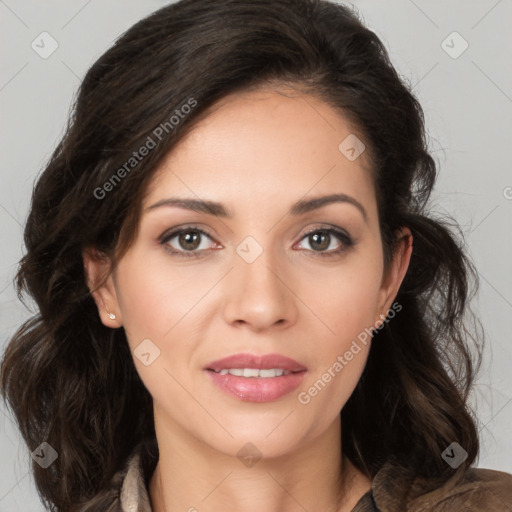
(398, 268)
(97, 270)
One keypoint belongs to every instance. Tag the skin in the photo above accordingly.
(257, 153)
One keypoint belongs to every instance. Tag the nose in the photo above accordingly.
(260, 294)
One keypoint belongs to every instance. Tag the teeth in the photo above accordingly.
(254, 372)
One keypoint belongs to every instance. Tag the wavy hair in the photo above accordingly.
(72, 382)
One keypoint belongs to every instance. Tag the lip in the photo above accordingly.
(263, 362)
(257, 389)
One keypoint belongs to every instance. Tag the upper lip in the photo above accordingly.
(263, 362)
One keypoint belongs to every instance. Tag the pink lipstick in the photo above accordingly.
(256, 378)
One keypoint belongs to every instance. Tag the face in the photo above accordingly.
(262, 271)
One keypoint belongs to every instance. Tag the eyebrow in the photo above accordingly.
(217, 209)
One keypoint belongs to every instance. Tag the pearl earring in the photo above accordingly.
(112, 316)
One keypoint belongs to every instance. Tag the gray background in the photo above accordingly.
(468, 108)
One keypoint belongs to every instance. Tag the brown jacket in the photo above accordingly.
(394, 489)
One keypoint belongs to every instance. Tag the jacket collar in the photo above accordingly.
(134, 495)
(393, 487)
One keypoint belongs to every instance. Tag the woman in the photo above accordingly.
(244, 303)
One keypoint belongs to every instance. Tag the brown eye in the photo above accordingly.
(187, 241)
(320, 240)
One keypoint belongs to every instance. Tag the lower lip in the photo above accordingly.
(257, 389)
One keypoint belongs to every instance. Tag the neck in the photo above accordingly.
(191, 476)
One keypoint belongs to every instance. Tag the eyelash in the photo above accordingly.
(347, 242)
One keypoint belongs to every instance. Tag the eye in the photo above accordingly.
(187, 242)
(191, 241)
(323, 241)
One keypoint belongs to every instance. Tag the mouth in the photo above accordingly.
(256, 378)
(253, 372)
(246, 365)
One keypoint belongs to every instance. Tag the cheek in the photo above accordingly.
(154, 297)
(346, 300)
(140, 300)
(155, 300)
(341, 353)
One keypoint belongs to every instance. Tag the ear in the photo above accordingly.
(97, 268)
(397, 269)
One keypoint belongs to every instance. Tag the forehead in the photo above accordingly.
(266, 144)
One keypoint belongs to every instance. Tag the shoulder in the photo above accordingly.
(474, 490)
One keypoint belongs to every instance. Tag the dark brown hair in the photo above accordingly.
(72, 382)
